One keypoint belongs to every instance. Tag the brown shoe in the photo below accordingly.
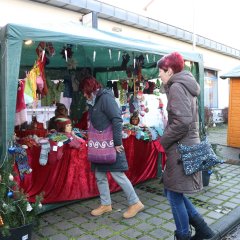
(101, 209)
(133, 210)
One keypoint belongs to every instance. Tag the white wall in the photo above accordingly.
(24, 11)
(212, 60)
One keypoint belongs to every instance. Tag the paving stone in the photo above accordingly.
(117, 237)
(215, 215)
(145, 227)
(79, 220)
(208, 220)
(131, 233)
(170, 226)
(234, 190)
(159, 233)
(54, 219)
(202, 210)
(215, 201)
(228, 193)
(210, 194)
(117, 226)
(75, 232)
(216, 190)
(166, 215)
(234, 200)
(64, 225)
(48, 231)
(103, 232)
(87, 237)
(230, 204)
(203, 198)
(146, 238)
(222, 197)
(152, 210)
(89, 226)
(151, 202)
(131, 221)
(59, 236)
(156, 221)
(143, 216)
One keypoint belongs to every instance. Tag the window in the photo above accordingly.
(210, 88)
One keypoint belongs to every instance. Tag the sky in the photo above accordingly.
(217, 20)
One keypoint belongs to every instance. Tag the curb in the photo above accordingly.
(226, 224)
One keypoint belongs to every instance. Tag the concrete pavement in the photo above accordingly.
(219, 203)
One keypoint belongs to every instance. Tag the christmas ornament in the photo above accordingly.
(1, 221)
(10, 177)
(10, 194)
(40, 205)
(12, 150)
(29, 207)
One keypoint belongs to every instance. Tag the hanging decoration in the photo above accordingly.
(110, 54)
(125, 60)
(67, 52)
(147, 58)
(119, 54)
(94, 56)
(45, 50)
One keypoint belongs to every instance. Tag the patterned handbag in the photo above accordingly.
(198, 157)
(101, 146)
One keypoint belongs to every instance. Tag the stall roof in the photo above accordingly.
(12, 51)
(75, 33)
(234, 73)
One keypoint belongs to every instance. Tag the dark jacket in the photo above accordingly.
(104, 112)
(182, 90)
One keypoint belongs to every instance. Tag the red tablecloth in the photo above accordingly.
(71, 178)
(25, 133)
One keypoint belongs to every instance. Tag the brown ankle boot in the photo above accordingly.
(101, 209)
(133, 210)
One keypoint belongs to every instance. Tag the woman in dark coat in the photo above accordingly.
(103, 111)
(182, 90)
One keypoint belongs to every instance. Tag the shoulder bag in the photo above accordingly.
(101, 146)
(200, 156)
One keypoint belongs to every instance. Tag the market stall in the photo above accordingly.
(61, 54)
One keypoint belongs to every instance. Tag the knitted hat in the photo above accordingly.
(61, 123)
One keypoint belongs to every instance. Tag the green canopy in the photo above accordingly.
(92, 48)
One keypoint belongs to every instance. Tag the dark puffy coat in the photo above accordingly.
(104, 112)
(182, 126)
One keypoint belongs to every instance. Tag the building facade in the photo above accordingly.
(218, 58)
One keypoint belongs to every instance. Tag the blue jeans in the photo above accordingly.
(122, 181)
(182, 210)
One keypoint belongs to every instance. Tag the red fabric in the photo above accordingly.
(71, 178)
(25, 133)
(159, 148)
(20, 104)
(83, 123)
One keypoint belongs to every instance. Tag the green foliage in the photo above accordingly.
(225, 115)
(208, 117)
(15, 210)
(216, 170)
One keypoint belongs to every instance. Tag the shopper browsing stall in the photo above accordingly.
(181, 89)
(105, 116)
